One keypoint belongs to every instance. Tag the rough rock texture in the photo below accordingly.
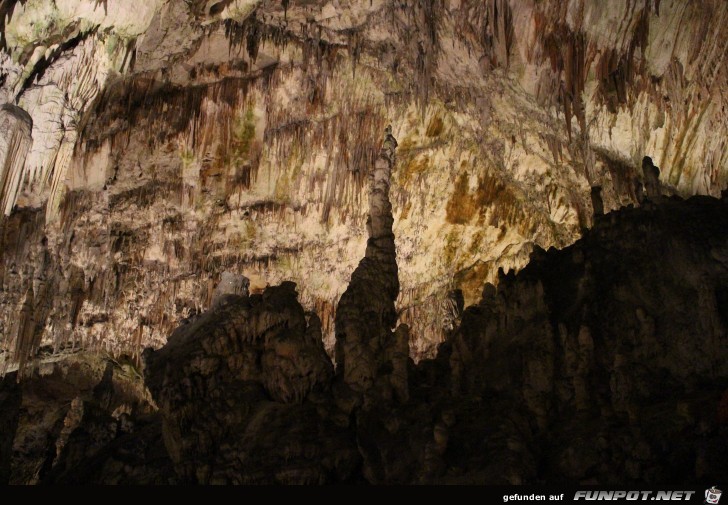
(81, 419)
(173, 141)
(602, 363)
(614, 349)
(230, 284)
(239, 391)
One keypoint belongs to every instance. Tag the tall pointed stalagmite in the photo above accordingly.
(370, 358)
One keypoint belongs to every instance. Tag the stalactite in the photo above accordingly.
(487, 27)
(320, 132)
(81, 80)
(15, 143)
(350, 137)
(6, 12)
(166, 112)
(354, 46)
(617, 71)
(250, 31)
(35, 72)
(420, 28)
(567, 53)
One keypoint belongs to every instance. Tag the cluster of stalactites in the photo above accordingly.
(15, 142)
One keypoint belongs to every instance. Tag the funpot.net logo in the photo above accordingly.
(634, 495)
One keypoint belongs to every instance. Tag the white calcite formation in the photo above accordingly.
(173, 141)
(15, 142)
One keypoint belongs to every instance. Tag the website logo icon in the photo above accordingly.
(712, 496)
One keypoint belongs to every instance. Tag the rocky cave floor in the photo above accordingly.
(602, 363)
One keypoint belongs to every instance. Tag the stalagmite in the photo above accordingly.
(597, 202)
(651, 175)
(369, 358)
(230, 284)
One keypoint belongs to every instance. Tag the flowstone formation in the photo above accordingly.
(17, 127)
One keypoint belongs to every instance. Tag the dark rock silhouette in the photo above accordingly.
(601, 363)
(597, 202)
(651, 175)
(245, 366)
